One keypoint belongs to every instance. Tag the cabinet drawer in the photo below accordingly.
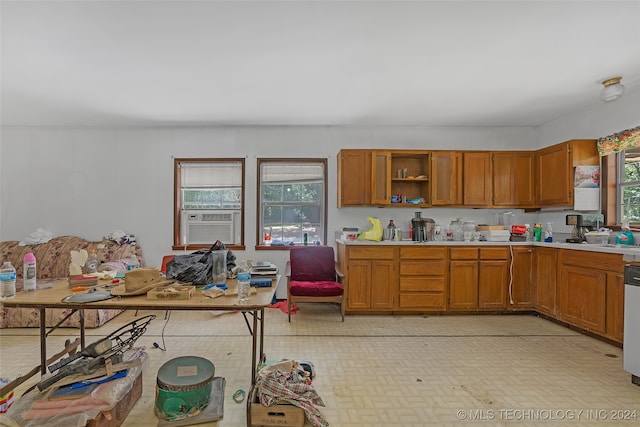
(422, 301)
(422, 284)
(423, 268)
(597, 260)
(368, 252)
(494, 253)
(423, 253)
(464, 253)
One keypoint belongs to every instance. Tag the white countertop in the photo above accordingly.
(631, 253)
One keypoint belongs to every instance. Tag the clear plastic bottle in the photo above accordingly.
(548, 233)
(133, 263)
(91, 266)
(7, 281)
(244, 282)
(29, 273)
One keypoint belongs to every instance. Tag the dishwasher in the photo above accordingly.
(631, 343)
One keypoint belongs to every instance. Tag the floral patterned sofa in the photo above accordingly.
(53, 259)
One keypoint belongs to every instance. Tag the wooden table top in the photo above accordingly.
(53, 298)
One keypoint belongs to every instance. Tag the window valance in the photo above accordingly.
(619, 141)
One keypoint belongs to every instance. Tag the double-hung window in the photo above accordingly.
(628, 191)
(292, 202)
(208, 202)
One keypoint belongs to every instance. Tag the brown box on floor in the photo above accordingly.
(277, 415)
(116, 415)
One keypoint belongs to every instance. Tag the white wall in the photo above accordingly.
(91, 181)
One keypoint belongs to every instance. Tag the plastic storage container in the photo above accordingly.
(29, 273)
(7, 281)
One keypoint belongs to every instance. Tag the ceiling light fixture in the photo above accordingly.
(612, 90)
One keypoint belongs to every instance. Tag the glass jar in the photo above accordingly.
(456, 230)
(468, 230)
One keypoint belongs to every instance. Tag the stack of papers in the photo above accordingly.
(264, 268)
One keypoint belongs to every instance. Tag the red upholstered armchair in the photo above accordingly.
(313, 276)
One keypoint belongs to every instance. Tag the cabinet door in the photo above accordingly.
(513, 183)
(492, 284)
(359, 284)
(463, 285)
(477, 179)
(521, 292)
(445, 189)
(383, 284)
(555, 185)
(354, 178)
(381, 177)
(546, 260)
(583, 297)
(615, 306)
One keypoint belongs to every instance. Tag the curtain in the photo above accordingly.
(619, 141)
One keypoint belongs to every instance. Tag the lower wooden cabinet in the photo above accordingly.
(615, 306)
(581, 288)
(371, 277)
(520, 291)
(583, 297)
(478, 278)
(591, 292)
(423, 275)
(546, 268)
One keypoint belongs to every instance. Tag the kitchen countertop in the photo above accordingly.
(630, 253)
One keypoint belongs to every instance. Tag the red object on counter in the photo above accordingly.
(518, 229)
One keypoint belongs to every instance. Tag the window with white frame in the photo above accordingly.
(209, 202)
(628, 194)
(292, 202)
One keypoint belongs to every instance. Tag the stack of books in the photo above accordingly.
(263, 268)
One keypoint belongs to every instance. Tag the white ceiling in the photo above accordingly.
(386, 63)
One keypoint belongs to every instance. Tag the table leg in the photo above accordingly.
(254, 338)
(82, 336)
(261, 333)
(43, 342)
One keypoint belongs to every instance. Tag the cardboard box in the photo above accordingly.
(116, 415)
(259, 415)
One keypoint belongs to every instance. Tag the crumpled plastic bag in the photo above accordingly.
(197, 267)
(374, 232)
(39, 236)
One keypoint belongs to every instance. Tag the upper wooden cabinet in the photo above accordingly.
(354, 178)
(555, 170)
(483, 179)
(446, 178)
(476, 179)
(513, 179)
(389, 178)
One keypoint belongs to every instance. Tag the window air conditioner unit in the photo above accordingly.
(205, 227)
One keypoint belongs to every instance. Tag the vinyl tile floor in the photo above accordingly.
(400, 370)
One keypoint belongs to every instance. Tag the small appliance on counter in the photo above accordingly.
(421, 228)
(577, 233)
